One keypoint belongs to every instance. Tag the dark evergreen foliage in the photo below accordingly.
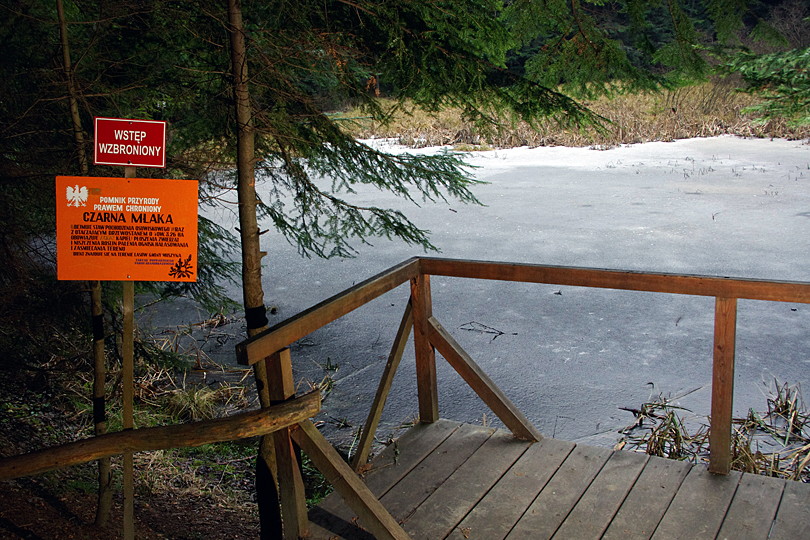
(782, 79)
(169, 60)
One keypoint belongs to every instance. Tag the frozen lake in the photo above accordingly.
(570, 357)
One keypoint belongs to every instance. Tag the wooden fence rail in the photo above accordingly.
(725, 290)
(722, 287)
(238, 426)
(289, 422)
(428, 337)
(272, 340)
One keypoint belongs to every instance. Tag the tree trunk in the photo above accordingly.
(253, 294)
(99, 372)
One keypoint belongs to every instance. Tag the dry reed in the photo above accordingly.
(704, 110)
(775, 443)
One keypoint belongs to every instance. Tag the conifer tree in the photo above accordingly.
(782, 79)
(174, 61)
(494, 60)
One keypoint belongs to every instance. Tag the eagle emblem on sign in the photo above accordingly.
(76, 196)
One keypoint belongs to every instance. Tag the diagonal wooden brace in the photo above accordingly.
(358, 497)
(481, 383)
(394, 358)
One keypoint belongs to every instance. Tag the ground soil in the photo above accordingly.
(31, 510)
(62, 504)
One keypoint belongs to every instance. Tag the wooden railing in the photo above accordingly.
(288, 420)
(429, 336)
(726, 292)
(238, 426)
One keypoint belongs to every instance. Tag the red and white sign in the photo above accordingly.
(131, 143)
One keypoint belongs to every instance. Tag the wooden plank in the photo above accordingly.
(372, 513)
(290, 487)
(283, 334)
(404, 497)
(697, 510)
(647, 501)
(402, 456)
(487, 390)
(395, 356)
(281, 387)
(792, 518)
(779, 291)
(570, 494)
(500, 509)
(426, 384)
(753, 508)
(446, 507)
(725, 331)
(234, 427)
(600, 502)
(332, 518)
(561, 493)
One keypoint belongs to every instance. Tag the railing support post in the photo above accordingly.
(424, 351)
(290, 484)
(128, 411)
(725, 331)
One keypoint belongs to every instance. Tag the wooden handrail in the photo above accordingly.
(277, 337)
(285, 333)
(238, 426)
(722, 287)
(418, 270)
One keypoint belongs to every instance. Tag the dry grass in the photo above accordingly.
(705, 110)
(775, 443)
(222, 472)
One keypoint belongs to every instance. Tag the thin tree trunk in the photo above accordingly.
(253, 294)
(99, 372)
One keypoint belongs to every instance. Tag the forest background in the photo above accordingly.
(313, 78)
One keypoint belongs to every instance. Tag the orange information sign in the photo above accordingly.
(126, 229)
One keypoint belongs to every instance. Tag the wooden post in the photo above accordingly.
(127, 377)
(290, 484)
(425, 354)
(725, 330)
